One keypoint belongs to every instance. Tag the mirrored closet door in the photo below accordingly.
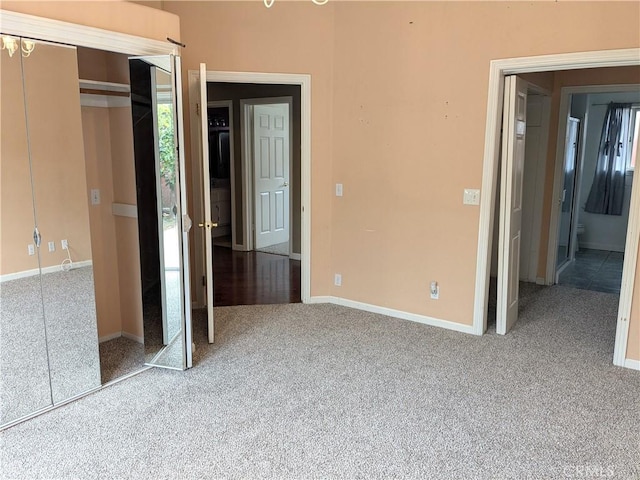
(92, 271)
(48, 348)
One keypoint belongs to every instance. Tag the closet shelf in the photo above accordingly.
(104, 86)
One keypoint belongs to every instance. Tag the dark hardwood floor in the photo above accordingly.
(254, 278)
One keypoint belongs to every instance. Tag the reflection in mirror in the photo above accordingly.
(24, 370)
(62, 214)
(153, 109)
(108, 150)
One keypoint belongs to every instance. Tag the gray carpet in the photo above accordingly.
(321, 391)
(63, 302)
(119, 357)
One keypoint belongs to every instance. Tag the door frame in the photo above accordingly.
(248, 184)
(566, 94)
(304, 81)
(552, 272)
(544, 63)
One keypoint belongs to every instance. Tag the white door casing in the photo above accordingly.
(206, 222)
(271, 174)
(513, 150)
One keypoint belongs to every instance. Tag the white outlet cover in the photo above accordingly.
(31, 249)
(52, 246)
(337, 280)
(471, 196)
(338, 189)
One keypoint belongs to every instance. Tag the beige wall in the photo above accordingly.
(399, 98)
(16, 206)
(118, 16)
(297, 39)
(58, 174)
(399, 93)
(108, 140)
(97, 149)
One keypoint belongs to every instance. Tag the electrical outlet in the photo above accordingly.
(337, 280)
(435, 290)
(338, 189)
(52, 246)
(65, 244)
(471, 196)
(31, 248)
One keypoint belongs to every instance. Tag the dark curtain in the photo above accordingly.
(607, 191)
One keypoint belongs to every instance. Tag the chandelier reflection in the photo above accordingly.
(269, 3)
(10, 44)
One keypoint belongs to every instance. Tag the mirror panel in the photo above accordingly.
(24, 370)
(153, 107)
(52, 104)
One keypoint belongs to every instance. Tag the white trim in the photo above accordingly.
(130, 336)
(104, 86)
(602, 246)
(124, 210)
(72, 34)
(390, 312)
(246, 114)
(632, 364)
(103, 101)
(42, 271)
(498, 69)
(304, 80)
(111, 336)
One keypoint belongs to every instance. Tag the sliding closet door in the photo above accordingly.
(52, 103)
(24, 370)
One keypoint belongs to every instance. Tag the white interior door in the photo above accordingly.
(271, 174)
(206, 222)
(513, 150)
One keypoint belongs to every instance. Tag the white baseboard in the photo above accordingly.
(541, 281)
(632, 364)
(133, 337)
(111, 336)
(31, 273)
(390, 312)
(295, 256)
(602, 246)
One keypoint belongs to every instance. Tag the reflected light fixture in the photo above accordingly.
(10, 44)
(27, 47)
(269, 3)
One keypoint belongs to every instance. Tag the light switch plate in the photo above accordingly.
(95, 196)
(338, 189)
(471, 196)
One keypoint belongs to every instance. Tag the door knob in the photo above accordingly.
(285, 184)
(208, 225)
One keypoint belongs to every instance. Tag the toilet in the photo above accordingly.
(579, 233)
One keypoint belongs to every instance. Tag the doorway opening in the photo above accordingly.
(591, 237)
(261, 253)
(254, 168)
(509, 239)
